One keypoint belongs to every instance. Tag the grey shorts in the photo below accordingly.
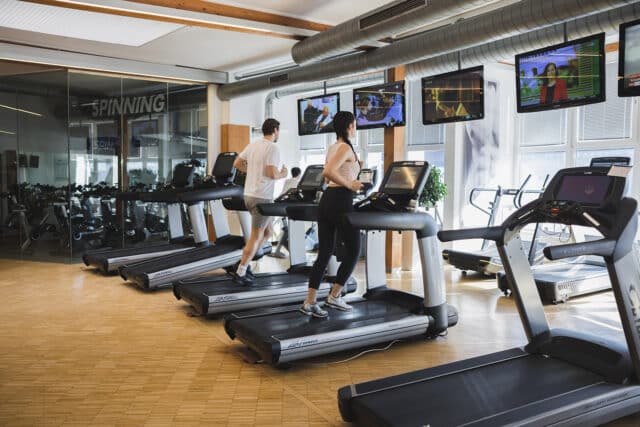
(257, 219)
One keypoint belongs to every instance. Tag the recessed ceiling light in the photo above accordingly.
(83, 25)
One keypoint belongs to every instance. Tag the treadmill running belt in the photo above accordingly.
(225, 285)
(221, 294)
(294, 324)
(108, 260)
(568, 272)
(487, 394)
(174, 260)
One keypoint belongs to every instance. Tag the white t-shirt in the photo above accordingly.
(259, 155)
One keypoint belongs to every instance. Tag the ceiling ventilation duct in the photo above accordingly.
(519, 18)
(508, 48)
(394, 18)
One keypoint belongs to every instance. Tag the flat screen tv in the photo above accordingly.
(379, 106)
(629, 61)
(453, 97)
(315, 114)
(560, 76)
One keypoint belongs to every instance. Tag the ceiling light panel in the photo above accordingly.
(80, 24)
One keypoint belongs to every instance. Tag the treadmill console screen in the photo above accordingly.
(312, 178)
(366, 176)
(224, 165)
(588, 189)
(403, 178)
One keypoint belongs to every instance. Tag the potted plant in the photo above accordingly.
(434, 191)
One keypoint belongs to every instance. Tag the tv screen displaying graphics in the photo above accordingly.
(379, 106)
(564, 75)
(453, 97)
(629, 61)
(315, 114)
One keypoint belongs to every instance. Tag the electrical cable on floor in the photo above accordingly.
(362, 353)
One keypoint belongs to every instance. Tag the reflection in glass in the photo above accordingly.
(70, 141)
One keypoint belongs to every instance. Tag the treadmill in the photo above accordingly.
(206, 256)
(108, 260)
(559, 281)
(487, 261)
(283, 334)
(217, 295)
(561, 377)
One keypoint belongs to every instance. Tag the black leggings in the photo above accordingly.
(335, 202)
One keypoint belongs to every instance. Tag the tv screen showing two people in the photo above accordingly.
(379, 106)
(564, 75)
(315, 114)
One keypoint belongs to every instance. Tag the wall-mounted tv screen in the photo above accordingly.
(629, 61)
(564, 75)
(315, 114)
(453, 97)
(379, 106)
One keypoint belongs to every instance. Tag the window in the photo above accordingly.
(543, 128)
(434, 157)
(539, 165)
(610, 119)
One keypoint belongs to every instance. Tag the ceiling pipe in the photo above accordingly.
(508, 48)
(344, 83)
(522, 17)
(394, 18)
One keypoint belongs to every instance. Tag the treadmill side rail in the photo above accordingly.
(331, 342)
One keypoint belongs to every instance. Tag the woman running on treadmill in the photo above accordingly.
(341, 172)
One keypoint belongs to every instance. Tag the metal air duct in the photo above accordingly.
(519, 18)
(508, 48)
(394, 18)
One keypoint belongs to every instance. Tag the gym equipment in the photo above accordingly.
(216, 295)
(110, 260)
(206, 256)
(559, 281)
(283, 334)
(561, 377)
(486, 260)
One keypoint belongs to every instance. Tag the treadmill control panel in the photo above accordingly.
(400, 189)
(310, 184)
(585, 196)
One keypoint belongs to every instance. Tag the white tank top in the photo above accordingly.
(348, 170)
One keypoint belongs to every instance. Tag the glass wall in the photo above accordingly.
(70, 141)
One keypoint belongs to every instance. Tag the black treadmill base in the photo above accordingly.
(558, 282)
(504, 388)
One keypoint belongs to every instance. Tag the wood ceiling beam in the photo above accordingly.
(163, 18)
(202, 6)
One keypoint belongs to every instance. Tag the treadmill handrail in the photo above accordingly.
(600, 247)
(486, 233)
(420, 222)
(215, 193)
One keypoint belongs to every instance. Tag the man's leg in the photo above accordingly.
(250, 248)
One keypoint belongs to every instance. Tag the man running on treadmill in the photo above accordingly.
(260, 160)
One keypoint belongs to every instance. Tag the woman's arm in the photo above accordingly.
(342, 154)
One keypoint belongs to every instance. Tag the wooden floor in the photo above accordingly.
(77, 348)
